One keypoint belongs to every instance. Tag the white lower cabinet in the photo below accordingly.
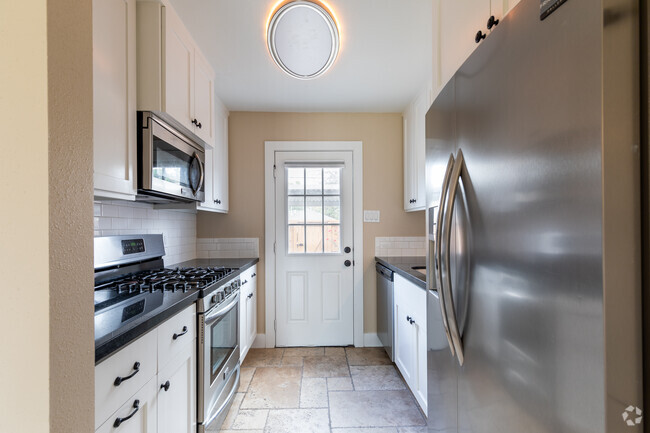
(247, 310)
(410, 339)
(137, 415)
(151, 380)
(177, 393)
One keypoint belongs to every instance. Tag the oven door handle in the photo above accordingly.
(219, 312)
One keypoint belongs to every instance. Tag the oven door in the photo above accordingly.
(170, 165)
(219, 360)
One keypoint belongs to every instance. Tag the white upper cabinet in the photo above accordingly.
(114, 98)
(414, 151)
(216, 166)
(173, 74)
(457, 24)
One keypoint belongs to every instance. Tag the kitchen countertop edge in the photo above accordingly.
(402, 266)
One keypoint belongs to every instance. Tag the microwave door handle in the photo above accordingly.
(459, 167)
(438, 251)
(201, 166)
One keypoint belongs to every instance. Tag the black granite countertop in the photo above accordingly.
(404, 267)
(173, 303)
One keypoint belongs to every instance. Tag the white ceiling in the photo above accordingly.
(385, 57)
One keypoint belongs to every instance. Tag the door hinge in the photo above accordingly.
(273, 247)
(275, 325)
(274, 172)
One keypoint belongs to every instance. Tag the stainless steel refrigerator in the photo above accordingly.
(533, 219)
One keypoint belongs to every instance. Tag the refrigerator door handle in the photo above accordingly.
(436, 255)
(459, 168)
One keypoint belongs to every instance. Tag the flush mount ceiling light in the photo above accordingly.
(303, 38)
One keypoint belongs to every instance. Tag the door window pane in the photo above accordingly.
(296, 181)
(332, 210)
(332, 239)
(314, 213)
(332, 181)
(315, 239)
(314, 180)
(296, 210)
(296, 236)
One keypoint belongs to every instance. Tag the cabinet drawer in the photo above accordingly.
(109, 395)
(143, 420)
(183, 326)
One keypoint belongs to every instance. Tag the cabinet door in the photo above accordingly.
(177, 402)
(414, 152)
(209, 203)
(143, 419)
(457, 22)
(251, 309)
(178, 47)
(114, 98)
(220, 178)
(404, 340)
(203, 98)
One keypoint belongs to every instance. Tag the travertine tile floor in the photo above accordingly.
(322, 390)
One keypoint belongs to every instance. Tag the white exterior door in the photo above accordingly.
(314, 251)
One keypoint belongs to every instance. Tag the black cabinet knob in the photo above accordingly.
(347, 263)
(347, 249)
(195, 122)
(165, 386)
(479, 35)
(492, 22)
(250, 295)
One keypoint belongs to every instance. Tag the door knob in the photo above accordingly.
(347, 263)
(347, 249)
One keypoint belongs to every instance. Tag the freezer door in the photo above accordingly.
(442, 380)
(529, 126)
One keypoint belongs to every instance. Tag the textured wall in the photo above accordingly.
(70, 96)
(381, 135)
(24, 363)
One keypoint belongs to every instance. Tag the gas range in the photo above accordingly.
(131, 281)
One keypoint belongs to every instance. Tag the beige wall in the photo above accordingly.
(24, 363)
(381, 135)
(46, 313)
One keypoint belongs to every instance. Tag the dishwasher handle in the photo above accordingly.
(384, 271)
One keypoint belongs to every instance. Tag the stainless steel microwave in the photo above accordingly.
(171, 160)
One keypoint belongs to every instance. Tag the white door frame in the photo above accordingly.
(270, 147)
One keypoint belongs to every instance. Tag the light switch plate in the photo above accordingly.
(370, 216)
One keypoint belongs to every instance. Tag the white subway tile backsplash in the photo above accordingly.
(400, 246)
(228, 247)
(125, 218)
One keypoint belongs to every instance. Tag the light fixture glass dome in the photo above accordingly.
(303, 38)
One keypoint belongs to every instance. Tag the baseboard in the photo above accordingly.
(371, 339)
(260, 341)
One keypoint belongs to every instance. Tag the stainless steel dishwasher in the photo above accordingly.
(385, 308)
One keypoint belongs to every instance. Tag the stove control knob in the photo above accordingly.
(227, 289)
(214, 299)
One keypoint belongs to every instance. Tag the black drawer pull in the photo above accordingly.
(119, 380)
(175, 336)
(250, 295)
(118, 421)
(165, 386)
(244, 282)
(253, 276)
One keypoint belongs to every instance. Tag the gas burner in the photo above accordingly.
(178, 279)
